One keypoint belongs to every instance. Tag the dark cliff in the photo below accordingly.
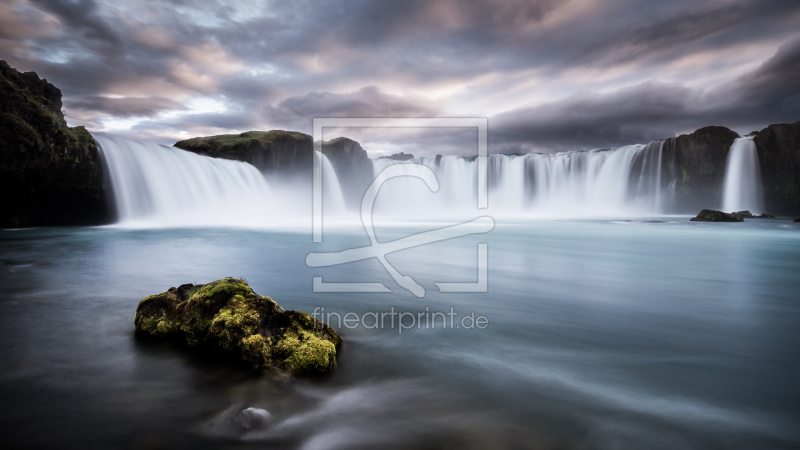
(698, 161)
(779, 157)
(50, 174)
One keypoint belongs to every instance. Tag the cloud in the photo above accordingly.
(127, 106)
(368, 101)
(82, 16)
(653, 110)
(551, 74)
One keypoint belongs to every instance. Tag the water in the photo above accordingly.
(158, 186)
(628, 180)
(743, 189)
(640, 330)
(602, 334)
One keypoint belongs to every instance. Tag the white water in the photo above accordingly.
(156, 185)
(743, 189)
(625, 181)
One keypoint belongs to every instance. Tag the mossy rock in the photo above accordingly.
(226, 314)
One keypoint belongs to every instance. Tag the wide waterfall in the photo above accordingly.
(156, 185)
(743, 189)
(633, 180)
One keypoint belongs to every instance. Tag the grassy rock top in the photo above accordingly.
(228, 145)
(227, 314)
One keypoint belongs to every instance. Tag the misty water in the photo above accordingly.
(601, 334)
(633, 329)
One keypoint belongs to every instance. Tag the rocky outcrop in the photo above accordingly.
(404, 157)
(698, 161)
(290, 153)
(708, 215)
(779, 157)
(267, 150)
(50, 174)
(227, 315)
(278, 150)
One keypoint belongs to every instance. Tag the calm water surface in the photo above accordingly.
(601, 335)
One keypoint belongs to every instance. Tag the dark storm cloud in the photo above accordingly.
(81, 16)
(653, 110)
(366, 102)
(127, 106)
(569, 74)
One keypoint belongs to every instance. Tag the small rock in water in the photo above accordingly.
(254, 419)
(709, 215)
(745, 214)
(234, 423)
(764, 216)
(797, 220)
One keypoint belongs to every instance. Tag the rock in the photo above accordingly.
(290, 153)
(50, 174)
(438, 159)
(778, 149)
(266, 150)
(226, 314)
(235, 423)
(709, 215)
(796, 220)
(698, 161)
(401, 156)
(745, 214)
(764, 216)
(278, 150)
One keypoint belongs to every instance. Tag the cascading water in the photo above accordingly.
(632, 180)
(155, 185)
(743, 189)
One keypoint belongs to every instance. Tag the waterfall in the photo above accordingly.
(742, 189)
(632, 180)
(156, 185)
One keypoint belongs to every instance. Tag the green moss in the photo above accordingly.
(306, 352)
(237, 320)
(256, 351)
(227, 314)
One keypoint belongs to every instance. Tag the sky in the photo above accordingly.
(550, 75)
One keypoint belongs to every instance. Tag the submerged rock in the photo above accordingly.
(227, 314)
(709, 215)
